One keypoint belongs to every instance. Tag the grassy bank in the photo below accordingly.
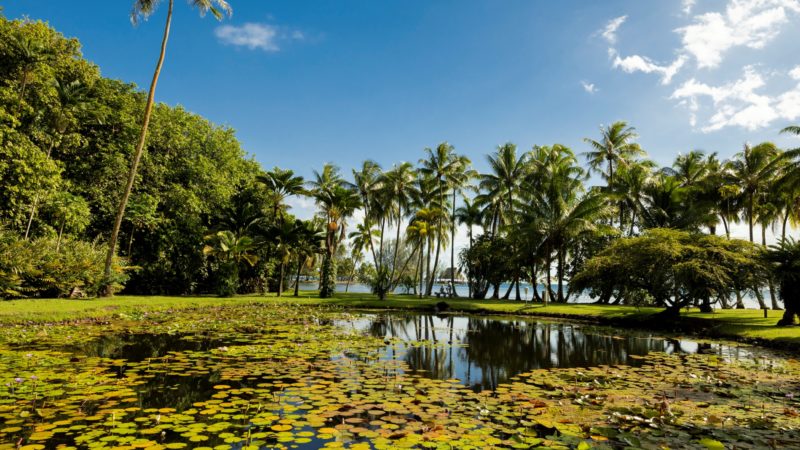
(746, 325)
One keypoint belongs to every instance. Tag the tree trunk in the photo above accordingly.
(453, 246)
(396, 245)
(36, 197)
(421, 268)
(435, 266)
(137, 156)
(725, 224)
(60, 233)
(297, 279)
(280, 281)
(328, 276)
(130, 241)
(469, 278)
(547, 292)
(560, 276)
(739, 300)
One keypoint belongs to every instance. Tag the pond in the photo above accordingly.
(264, 376)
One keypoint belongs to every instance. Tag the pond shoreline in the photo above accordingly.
(747, 326)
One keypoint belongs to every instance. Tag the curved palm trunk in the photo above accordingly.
(435, 266)
(772, 297)
(137, 156)
(427, 270)
(421, 267)
(396, 246)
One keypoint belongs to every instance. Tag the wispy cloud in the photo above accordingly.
(609, 33)
(637, 63)
(589, 87)
(706, 40)
(257, 36)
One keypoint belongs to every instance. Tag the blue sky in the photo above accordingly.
(314, 81)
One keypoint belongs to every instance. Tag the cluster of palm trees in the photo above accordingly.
(537, 208)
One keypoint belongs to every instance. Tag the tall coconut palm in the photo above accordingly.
(614, 148)
(752, 169)
(337, 202)
(458, 180)
(363, 238)
(502, 184)
(469, 214)
(397, 186)
(142, 9)
(282, 184)
(307, 248)
(442, 164)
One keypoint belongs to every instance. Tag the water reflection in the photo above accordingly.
(485, 352)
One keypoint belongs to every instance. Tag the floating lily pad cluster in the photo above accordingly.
(266, 376)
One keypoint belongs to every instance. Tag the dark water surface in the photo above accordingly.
(480, 352)
(484, 352)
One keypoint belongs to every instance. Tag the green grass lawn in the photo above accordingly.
(738, 324)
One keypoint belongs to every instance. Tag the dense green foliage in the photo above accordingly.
(203, 217)
(672, 268)
(66, 136)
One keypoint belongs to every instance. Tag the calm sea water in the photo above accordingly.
(525, 292)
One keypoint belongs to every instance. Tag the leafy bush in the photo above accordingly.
(37, 268)
(673, 268)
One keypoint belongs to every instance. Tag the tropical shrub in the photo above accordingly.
(37, 268)
(674, 268)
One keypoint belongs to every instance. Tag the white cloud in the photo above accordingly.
(688, 5)
(747, 23)
(589, 87)
(250, 35)
(609, 33)
(739, 103)
(636, 63)
(795, 73)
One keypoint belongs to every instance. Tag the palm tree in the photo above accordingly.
(307, 247)
(71, 98)
(501, 185)
(441, 164)
(555, 208)
(229, 250)
(363, 238)
(282, 184)
(469, 214)
(142, 9)
(628, 189)
(30, 52)
(285, 237)
(397, 185)
(337, 202)
(614, 149)
(753, 169)
(458, 181)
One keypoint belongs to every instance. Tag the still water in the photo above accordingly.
(480, 352)
(484, 352)
(463, 291)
